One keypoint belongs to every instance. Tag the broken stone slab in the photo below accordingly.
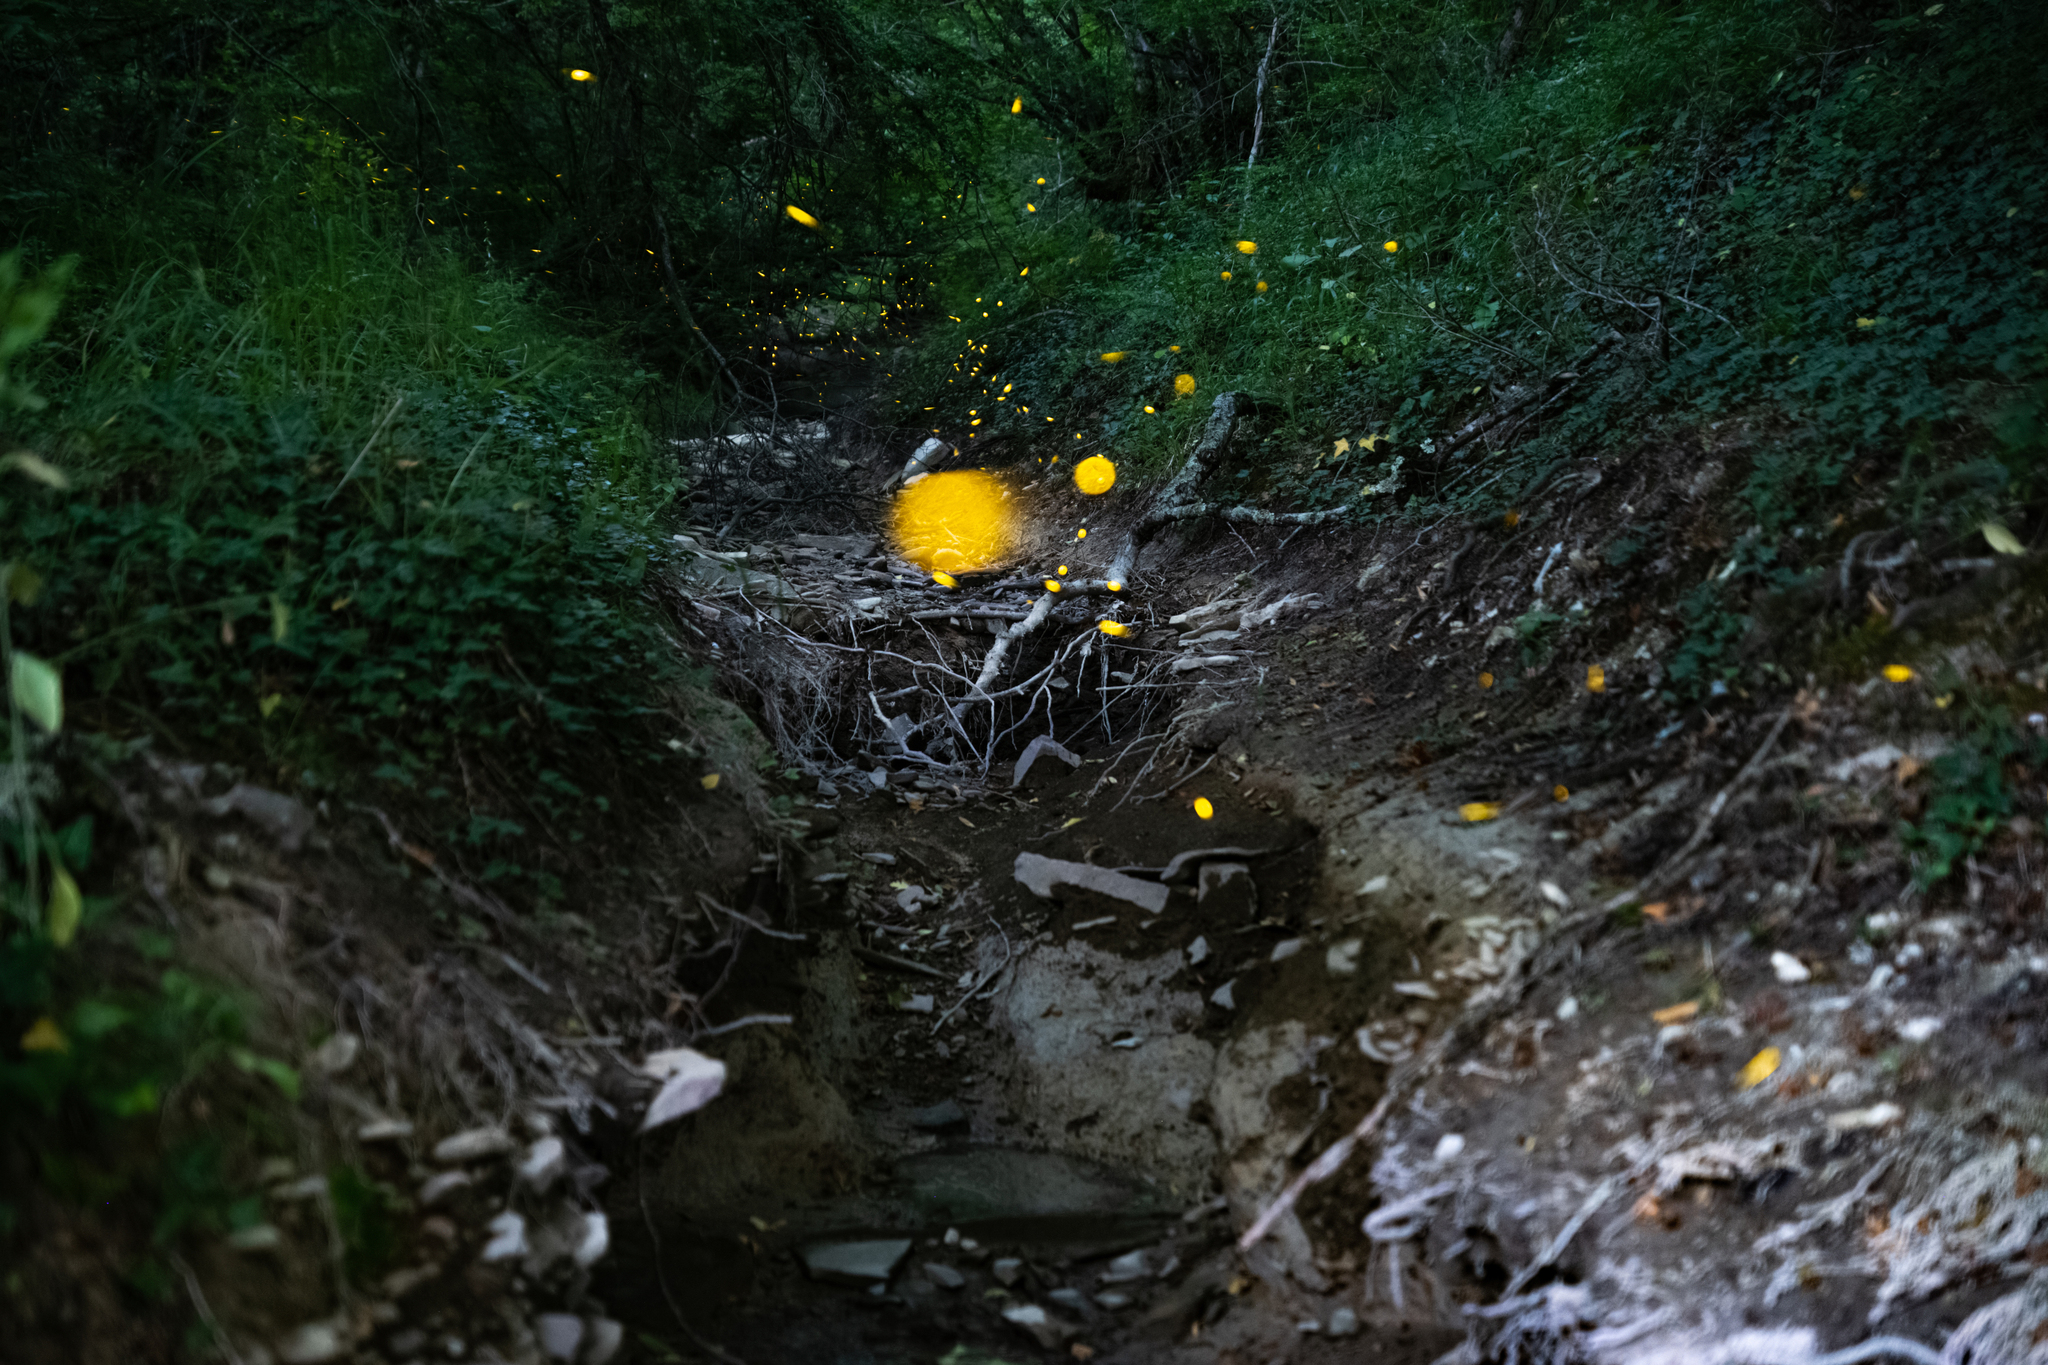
(940, 1117)
(1069, 1298)
(690, 1080)
(859, 1264)
(1184, 861)
(1227, 889)
(944, 1276)
(473, 1144)
(1042, 876)
(1043, 746)
(1198, 951)
(1342, 958)
(384, 1130)
(595, 1242)
(1112, 1299)
(918, 1004)
(1225, 996)
(438, 1188)
(1007, 1270)
(1284, 949)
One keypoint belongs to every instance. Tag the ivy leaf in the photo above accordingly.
(39, 690)
(2000, 539)
(65, 909)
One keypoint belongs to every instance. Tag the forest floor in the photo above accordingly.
(1679, 1061)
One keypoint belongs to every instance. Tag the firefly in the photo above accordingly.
(579, 74)
(1095, 475)
(1017, 105)
(802, 217)
(1204, 808)
(1115, 628)
(1248, 248)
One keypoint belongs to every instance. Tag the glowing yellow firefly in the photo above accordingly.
(1095, 475)
(1248, 247)
(1260, 286)
(1596, 678)
(1477, 811)
(1113, 356)
(1183, 384)
(579, 74)
(1204, 809)
(1116, 628)
(1017, 105)
(1390, 247)
(953, 522)
(1114, 586)
(802, 217)
(1226, 274)
(1052, 585)
(944, 579)
(1063, 571)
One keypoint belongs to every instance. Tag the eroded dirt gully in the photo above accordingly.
(1012, 1125)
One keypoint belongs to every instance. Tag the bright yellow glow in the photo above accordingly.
(1017, 105)
(1052, 585)
(1560, 792)
(1113, 356)
(1095, 475)
(1114, 586)
(1596, 678)
(953, 522)
(1897, 673)
(709, 782)
(579, 75)
(1205, 808)
(1148, 407)
(1031, 208)
(1183, 384)
(1063, 571)
(1226, 274)
(944, 579)
(1041, 180)
(1390, 246)
(802, 217)
(1081, 534)
(1477, 811)
(1248, 247)
(1116, 628)
(1260, 286)
(1758, 1069)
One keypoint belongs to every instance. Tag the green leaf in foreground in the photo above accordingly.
(39, 691)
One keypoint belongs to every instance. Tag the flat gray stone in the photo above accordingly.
(1126, 1268)
(473, 1145)
(560, 1335)
(941, 1116)
(1182, 863)
(1069, 1298)
(944, 1276)
(859, 1264)
(1043, 876)
(1043, 746)
(1007, 1270)
(1343, 1323)
(1110, 1298)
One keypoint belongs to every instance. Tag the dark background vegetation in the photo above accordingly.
(350, 339)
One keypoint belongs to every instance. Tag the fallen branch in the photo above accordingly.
(901, 964)
(1705, 827)
(1250, 514)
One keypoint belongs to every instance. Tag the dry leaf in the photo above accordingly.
(1596, 678)
(1657, 910)
(1759, 1068)
(1677, 1014)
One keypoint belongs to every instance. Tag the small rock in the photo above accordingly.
(307, 1187)
(560, 1335)
(1133, 1042)
(1227, 889)
(1421, 990)
(473, 1145)
(384, 1130)
(1308, 1327)
(1045, 1329)
(606, 1337)
(1568, 1008)
(261, 1237)
(911, 898)
(1790, 970)
(400, 1283)
(952, 1237)
(1374, 885)
(918, 1004)
(1224, 997)
(1343, 1323)
(1130, 1266)
(855, 1263)
(312, 1344)
(1198, 952)
(1921, 1029)
(337, 1054)
(1069, 1298)
(944, 1276)
(1110, 1298)
(596, 1240)
(543, 1164)
(1554, 893)
(881, 859)
(508, 1239)
(1007, 1270)
(410, 1342)
(1284, 949)
(1876, 1116)
(1882, 976)
(441, 1186)
(278, 815)
(1342, 958)
(1449, 1145)
(940, 1117)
